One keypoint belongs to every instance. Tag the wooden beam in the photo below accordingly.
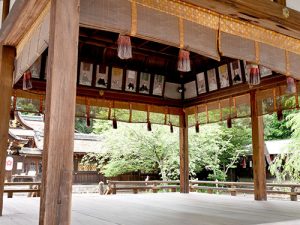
(281, 2)
(55, 206)
(259, 165)
(20, 19)
(7, 56)
(5, 9)
(184, 154)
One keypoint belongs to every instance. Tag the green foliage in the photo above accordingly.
(217, 148)
(132, 148)
(275, 129)
(286, 166)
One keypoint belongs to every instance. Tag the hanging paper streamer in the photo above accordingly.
(254, 76)
(27, 80)
(184, 63)
(124, 47)
(291, 86)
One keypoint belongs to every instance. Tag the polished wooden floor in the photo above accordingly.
(160, 209)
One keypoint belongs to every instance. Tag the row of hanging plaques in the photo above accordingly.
(211, 80)
(119, 79)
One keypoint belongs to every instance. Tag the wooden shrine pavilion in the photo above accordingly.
(178, 63)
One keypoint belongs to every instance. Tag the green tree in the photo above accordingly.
(275, 129)
(132, 148)
(286, 166)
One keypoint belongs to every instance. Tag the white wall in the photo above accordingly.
(293, 4)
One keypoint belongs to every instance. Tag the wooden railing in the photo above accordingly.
(244, 187)
(32, 188)
(137, 186)
(209, 186)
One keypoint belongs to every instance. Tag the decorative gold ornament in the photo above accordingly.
(101, 93)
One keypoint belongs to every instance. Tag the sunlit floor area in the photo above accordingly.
(160, 209)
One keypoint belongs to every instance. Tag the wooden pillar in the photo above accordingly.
(259, 167)
(184, 155)
(55, 206)
(7, 55)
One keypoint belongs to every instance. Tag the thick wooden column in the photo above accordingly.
(7, 56)
(259, 167)
(184, 155)
(55, 207)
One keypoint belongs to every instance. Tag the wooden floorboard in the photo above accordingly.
(160, 209)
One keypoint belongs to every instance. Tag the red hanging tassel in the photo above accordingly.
(171, 128)
(197, 127)
(114, 123)
(12, 110)
(291, 86)
(88, 115)
(279, 115)
(254, 75)
(27, 80)
(124, 47)
(244, 164)
(184, 63)
(229, 122)
(41, 105)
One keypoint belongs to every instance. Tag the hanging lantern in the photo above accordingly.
(124, 47)
(171, 128)
(197, 127)
(291, 86)
(279, 115)
(27, 80)
(254, 75)
(229, 122)
(184, 63)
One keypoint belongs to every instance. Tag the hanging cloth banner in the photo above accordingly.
(33, 44)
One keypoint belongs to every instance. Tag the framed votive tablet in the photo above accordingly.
(116, 78)
(223, 74)
(158, 85)
(101, 76)
(236, 72)
(86, 74)
(212, 80)
(144, 87)
(264, 71)
(201, 83)
(131, 77)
